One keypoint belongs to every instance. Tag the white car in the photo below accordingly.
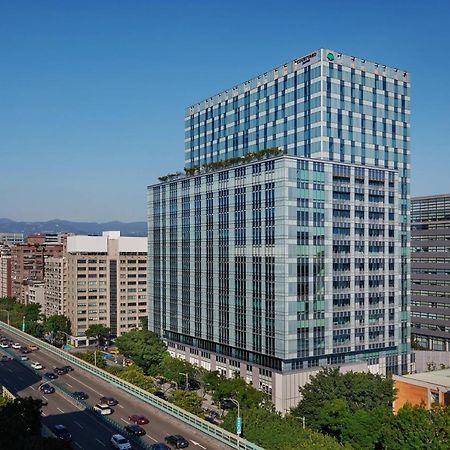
(16, 346)
(24, 358)
(37, 366)
(4, 345)
(104, 410)
(119, 442)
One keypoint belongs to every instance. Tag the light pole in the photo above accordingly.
(238, 418)
(187, 380)
(303, 420)
(7, 312)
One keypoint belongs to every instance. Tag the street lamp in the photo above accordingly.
(187, 379)
(238, 418)
(7, 312)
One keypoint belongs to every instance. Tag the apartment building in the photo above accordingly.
(55, 285)
(27, 264)
(35, 294)
(285, 245)
(5, 271)
(11, 238)
(106, 283)
(430, 272)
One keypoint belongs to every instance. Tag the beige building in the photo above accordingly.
(5, 272)
(55, 285)
(35, 294)
(106, 283)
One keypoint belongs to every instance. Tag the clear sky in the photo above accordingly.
(93, 92)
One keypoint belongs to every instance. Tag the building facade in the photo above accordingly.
(35, 294)
(5, 272)
(27, 265)
(106, 283)
(11, 238)
(273, 268)
(430, 272)
(55, 285)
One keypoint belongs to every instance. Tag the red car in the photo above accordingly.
(139, 420)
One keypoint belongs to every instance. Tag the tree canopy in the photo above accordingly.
(99, 332)
(188, 400)
(57, 325)
(360, 390)
(144, 347)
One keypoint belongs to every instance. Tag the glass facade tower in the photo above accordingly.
(272, 265)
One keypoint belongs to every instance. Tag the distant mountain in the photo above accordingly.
(65, 226)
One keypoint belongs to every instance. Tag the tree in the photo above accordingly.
(99, 332)
(135, 375)
(57, 325)
(91, 358)
(173, 368)
(360, 390)
(272, 431)
(144, 347)
(188, 400)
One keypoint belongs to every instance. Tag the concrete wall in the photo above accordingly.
(424, 358)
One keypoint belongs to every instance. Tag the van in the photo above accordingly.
(103, 409)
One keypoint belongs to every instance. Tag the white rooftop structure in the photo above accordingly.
(99, 244)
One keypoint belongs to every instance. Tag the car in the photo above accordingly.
(102, 409)
(68, 368)
(32, 347)
(24, 357)
(50, 376)
(61, 432)
(80, 395)
(135, 430)
(47, 388)
(60, 370)
(4, 344)
(24, 350)
(161, 395)
(177, 441)
(37, 366)
(119, 442)
(159, 446)
(140, 420)
(16, 346)
(110, 401)
(6, 358)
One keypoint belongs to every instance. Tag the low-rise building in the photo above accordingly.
(425, 389)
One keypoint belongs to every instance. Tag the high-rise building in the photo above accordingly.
(35, 294)
(106, 283)
(430, 271)
(55, 285)
(27, 265)
(5, 271)
(285, 246)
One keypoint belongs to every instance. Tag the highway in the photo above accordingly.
(89, 430)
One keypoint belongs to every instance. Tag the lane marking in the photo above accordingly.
(60, 410)
(84, 384)
(123, 420)
(152, 438)
(43, 413)
(120, 406)
(75, 422)
(78, 445)
(69, 385)
(100, 442)
(32, 387)
(200, 445)
(45, 397)
(20, 378)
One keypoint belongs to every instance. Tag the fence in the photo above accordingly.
(193, 421)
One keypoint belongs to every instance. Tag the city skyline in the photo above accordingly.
(84, 90)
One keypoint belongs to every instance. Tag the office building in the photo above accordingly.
(430, 272)
(285, 246)
(106, 283)
(27, 265)
(11, 238)
(35, 294)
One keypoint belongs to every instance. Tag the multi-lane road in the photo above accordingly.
(89, 430)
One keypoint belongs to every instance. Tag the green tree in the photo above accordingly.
(172, 368)
(188, 400)
(144, 347)
(91, 358)
(136, 376)
(272, 431)
(57, 325)
(360, 390)
(99, 332)
(414, 427)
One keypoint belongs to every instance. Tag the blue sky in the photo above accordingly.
(92, 93)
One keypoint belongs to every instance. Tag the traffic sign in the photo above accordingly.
(238, 425)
